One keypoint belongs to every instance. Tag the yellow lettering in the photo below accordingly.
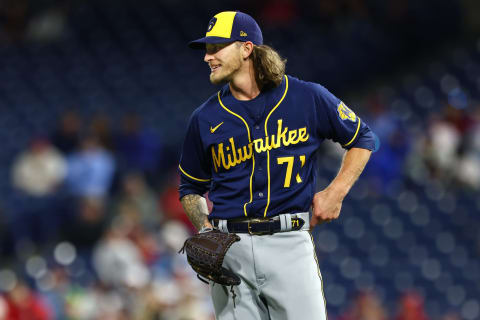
(241, 158)
(281, 135)
(259, 145)
(272, 144)
(288, 174)
(230, 161)
(218, 160)
(302, 160)
(234, 151)
(246, 155)
(301, 134)
(226, 165)
(269, 142)
(292, 134)
(232, 156)
(299, 179)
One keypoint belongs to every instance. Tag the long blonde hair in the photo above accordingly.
(269, 66)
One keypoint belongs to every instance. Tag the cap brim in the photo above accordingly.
(200, 43)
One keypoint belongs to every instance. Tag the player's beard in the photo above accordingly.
(227, 70)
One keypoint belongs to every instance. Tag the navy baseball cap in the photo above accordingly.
(230, 26)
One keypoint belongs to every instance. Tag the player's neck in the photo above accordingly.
(243, 85)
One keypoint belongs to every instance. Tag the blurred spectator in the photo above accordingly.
(108, 304)
(39, 170)
(173, 235)
(147, 243)
(468, 169)
(189, 301)
(23, 303)
(118, 261)
(438, 148)
(411, 307)
(95, 301)
(176, 286)
(87, 223)
(56, 291)
(443, 142)
(37, 174)
(171, 238)
(366, 306)
(66, 136)
(459, 118)
(142, 200)
(169, 201)
(448, 150)
(3, 308)
(90, 169)
(387, 164)
(100, 129)
(139, 148)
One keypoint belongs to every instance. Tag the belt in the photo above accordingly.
(263, 226)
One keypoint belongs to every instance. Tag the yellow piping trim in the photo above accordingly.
(249, 141)
(356, 132)
(268, 152)
(201, 180)
(319, 274)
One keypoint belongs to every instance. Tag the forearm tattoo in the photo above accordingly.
(195, 207)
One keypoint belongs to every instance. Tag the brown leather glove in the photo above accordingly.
(205, 254)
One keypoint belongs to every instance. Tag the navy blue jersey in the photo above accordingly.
(257, 158)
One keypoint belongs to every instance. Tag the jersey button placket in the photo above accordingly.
(260, 177)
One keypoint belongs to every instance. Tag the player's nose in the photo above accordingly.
(208, 57)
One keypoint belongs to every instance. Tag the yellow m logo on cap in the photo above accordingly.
(223, 26)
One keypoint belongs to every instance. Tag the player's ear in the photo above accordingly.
(247, 49)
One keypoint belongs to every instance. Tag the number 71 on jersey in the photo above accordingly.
(288, 175)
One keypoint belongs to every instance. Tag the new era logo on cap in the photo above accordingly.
(229, 26)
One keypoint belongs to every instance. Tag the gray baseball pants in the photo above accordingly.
(280, 277)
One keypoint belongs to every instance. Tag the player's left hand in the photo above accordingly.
(326, 207)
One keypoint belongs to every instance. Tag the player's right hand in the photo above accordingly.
(326, 207)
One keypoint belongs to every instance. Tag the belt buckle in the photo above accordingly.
(258, 233)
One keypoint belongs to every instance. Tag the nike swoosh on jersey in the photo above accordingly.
(212, 130)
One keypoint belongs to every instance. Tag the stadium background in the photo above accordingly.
(94, 101)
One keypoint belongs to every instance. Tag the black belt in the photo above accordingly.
(258, 226)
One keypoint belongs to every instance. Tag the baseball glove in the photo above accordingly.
(205, 254)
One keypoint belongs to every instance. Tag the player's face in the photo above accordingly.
(224, 61)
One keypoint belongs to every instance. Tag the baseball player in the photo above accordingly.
(253, 146)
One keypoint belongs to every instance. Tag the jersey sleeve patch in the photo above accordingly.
(345, 113)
